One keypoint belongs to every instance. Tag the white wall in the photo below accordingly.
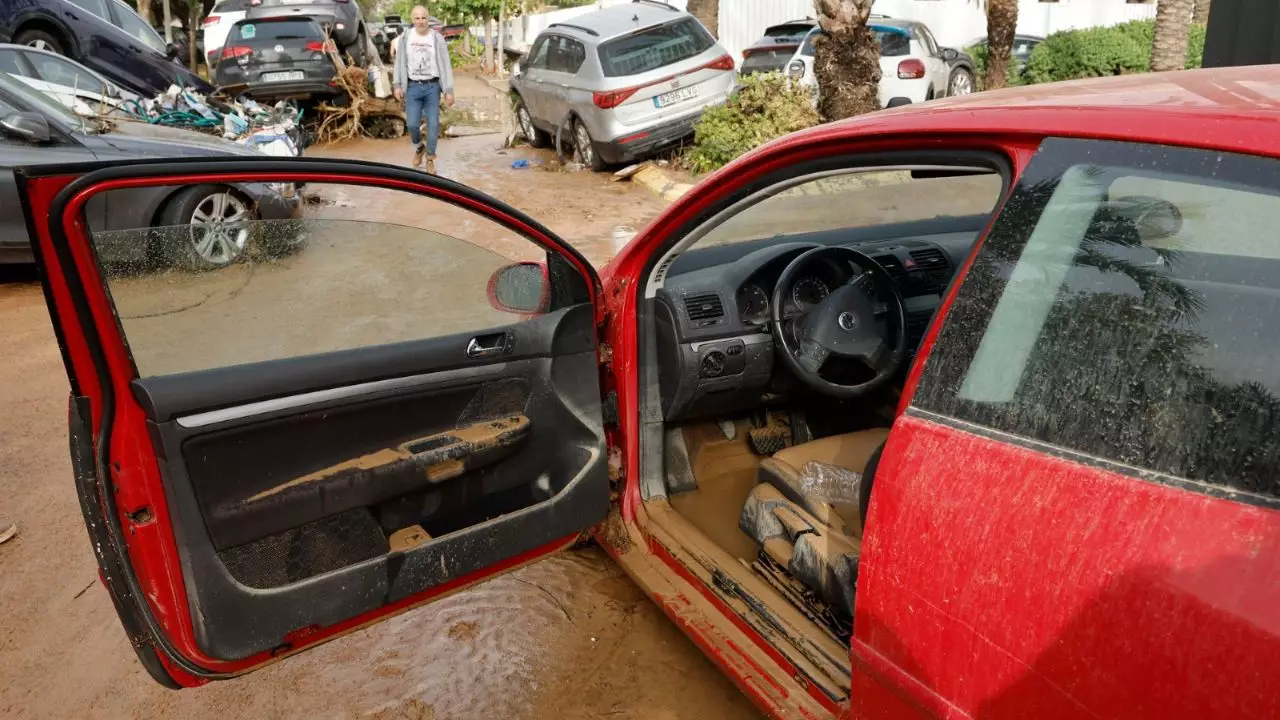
(953, 22)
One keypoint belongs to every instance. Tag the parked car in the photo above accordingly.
(277, 58)
(36, 130)
(993, 436)
(913, 68)
(1023, 45)
(65, 80)
(217, 25)
(341, 18)
(104, 35)
(624, 82)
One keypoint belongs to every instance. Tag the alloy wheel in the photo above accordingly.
(586, 153)
(219, 228)
(961, 84)
(526, 123)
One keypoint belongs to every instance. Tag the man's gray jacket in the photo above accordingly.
(442, 61)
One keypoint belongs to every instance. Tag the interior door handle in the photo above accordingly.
(483, 346)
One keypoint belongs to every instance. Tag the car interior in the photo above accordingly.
(782, 330)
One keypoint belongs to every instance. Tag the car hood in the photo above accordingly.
(146, 140)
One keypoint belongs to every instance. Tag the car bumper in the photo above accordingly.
(648, 141)
(292, 90)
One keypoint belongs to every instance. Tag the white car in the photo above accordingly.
(75, 86)
(217, 25)
(913, 68)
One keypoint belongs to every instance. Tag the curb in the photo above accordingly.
(655, 180)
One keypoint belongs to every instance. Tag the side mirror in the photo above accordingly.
(29, 126)
(171, 51)
(520, 288)
(950, 54)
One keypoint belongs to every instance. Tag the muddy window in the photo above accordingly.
(209, 276)
(1123, 306)
(858, 199)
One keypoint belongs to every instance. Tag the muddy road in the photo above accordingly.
(568, 637)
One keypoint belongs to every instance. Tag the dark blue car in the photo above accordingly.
(105, 35)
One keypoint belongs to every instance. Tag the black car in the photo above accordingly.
(342, 18)
(276, 58)
(104, 35)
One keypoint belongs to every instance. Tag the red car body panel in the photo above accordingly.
(998, 578)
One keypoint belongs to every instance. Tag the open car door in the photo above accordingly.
(287, 423)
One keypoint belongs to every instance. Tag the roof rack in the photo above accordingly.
(659, 3)
(579, 28)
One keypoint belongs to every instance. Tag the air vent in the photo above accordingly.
(891, 265)
(929, 259)
(701, 308)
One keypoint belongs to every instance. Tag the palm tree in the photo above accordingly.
(847, 63)
(1002, 24)
(708, 13)
(1173, 30)
(1201, 14)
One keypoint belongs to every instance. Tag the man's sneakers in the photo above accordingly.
(431, 164)
(418, 154)
(7, 531)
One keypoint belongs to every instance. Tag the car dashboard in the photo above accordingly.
(713, 312)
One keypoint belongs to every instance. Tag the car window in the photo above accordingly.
(96, 7)
(271, 283)
(54, 69)
(893, 42)
(566, 55)
(139, 30)
(1124, 307)
(9, 63)
(538, 55)
(654, 47)
(36, 101)
(788, 33)
(926, 37)
(858, 199)
(276, 30)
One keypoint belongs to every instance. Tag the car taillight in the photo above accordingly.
(910, 69)
(235, 52)
(724, 62)
(211, 20)
(610, 100)
(748, 53)
(316, 46)
(255, 3)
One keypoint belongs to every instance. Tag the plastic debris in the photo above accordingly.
(829, 483)
(272, 129)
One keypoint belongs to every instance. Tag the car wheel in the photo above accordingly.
(41, 40)
(356, 51)
(531, 133)
(586, 147)
(961, 83)
(217, 227)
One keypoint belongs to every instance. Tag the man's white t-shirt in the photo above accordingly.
(422, 56)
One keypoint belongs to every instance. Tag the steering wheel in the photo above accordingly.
(844, 324)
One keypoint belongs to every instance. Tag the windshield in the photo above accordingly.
(270, 31)
(39, 102)
(894, 42)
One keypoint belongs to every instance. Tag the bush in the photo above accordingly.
(1103, 51)
(979, 55)
(764, 106)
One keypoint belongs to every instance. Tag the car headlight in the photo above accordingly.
(795, 68)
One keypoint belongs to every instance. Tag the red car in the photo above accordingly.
(960, 410)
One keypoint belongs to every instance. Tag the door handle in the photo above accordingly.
(484, 346)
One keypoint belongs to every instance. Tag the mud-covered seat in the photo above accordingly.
(818, 541)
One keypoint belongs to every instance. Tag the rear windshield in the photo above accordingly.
(224, 6)
(654, 47)
(767, 60)
(277, 30)
(794, 33)
(893, 42)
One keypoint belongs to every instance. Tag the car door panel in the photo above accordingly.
(280, 491)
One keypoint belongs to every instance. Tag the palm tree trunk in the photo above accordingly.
(488, 41)
(1201, 13)
(1002, 24)
(168, 22)
(1173, 29)
(502, 33)
(708, 13)
(144, 10)
(195, 9)
(847, 61)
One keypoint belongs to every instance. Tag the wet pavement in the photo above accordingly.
(570, 636)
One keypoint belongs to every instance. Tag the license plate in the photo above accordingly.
(675, 96)
(283, 76)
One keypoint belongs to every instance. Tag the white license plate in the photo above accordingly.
(283, 76)
(675, 96)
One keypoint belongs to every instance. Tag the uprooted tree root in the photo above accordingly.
(349, 121)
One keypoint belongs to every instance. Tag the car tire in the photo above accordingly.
(356, 51)
(960, 83)
(42, 40)
(204, 248)
(535, 137)
(586, 147)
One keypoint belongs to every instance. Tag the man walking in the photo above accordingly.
(423, 73)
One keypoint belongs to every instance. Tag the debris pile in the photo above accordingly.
(272, 129)
(360, 111)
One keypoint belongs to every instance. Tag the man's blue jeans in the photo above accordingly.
(423, 98)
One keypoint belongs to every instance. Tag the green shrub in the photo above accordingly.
(764, 106)
(457, 58)
(1102, 51)
(979, 54)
